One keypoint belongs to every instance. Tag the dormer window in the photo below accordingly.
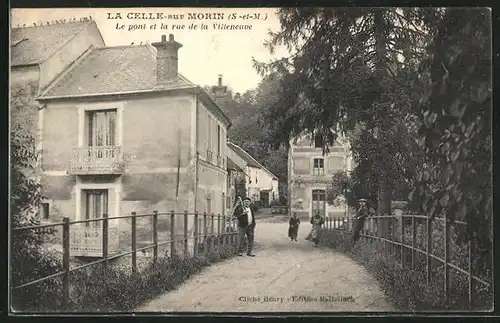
(318, 141)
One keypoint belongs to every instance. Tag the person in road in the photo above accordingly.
(246, 225)
(317, 221)
(359, 219)
(293, 229)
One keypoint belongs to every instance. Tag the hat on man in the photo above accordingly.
(247, 199)
(362, 200)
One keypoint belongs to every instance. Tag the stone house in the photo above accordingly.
(251, 171)
(261, 185)
(123, 131)
(310, 173)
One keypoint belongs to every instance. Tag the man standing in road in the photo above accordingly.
(246, 225)
(361, 214)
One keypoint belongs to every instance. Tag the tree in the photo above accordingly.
(350, 67)
(249, 129)
(29, 261)
(338, 189)
(455, 131)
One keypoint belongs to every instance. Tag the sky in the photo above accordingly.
(205, 53)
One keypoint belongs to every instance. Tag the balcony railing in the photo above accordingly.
(318, 171)
(209, 156)
(97, 160)
(219, 161)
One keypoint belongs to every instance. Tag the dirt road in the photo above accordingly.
(283, 277)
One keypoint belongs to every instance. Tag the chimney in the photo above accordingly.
(219, 91)
(166, 58)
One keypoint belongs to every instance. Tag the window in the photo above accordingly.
(45, 210)
(319, 166)
(223, 202)
(101, 128)
(96, 206)
(209, 132)
(218, 141)
(318, 201)
(318, 141)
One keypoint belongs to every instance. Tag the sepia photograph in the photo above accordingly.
(250, 160)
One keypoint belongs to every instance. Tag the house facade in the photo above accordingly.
(122, 131)
(310, 173)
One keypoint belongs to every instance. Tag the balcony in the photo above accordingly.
(209, 156)
(219, 161)
(97, 160)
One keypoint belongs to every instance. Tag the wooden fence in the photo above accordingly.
(210, 231)
(395, 244)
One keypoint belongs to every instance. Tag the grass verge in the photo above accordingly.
(115, 288)
(405, 287)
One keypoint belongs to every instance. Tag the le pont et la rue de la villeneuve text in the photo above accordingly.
(185, 21)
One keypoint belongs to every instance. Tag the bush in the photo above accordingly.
(406, 288)
(116, 288)
(29, 261)
(275, 203)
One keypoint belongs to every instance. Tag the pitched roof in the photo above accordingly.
(232, 165)
(269, 172)
(35, 44)
(243, 154)
(113, 70)
(248, 158)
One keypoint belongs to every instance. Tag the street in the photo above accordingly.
(283, 277)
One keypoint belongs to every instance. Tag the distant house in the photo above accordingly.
(269, 187)
(236, 173)
(123, 131)
(310, 173)
(261, 184)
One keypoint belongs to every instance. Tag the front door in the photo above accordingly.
(318, 202)
(264, 197)
(86, 240)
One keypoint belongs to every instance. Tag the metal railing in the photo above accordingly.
(96, 160)
(397, 227)
(210, 231)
